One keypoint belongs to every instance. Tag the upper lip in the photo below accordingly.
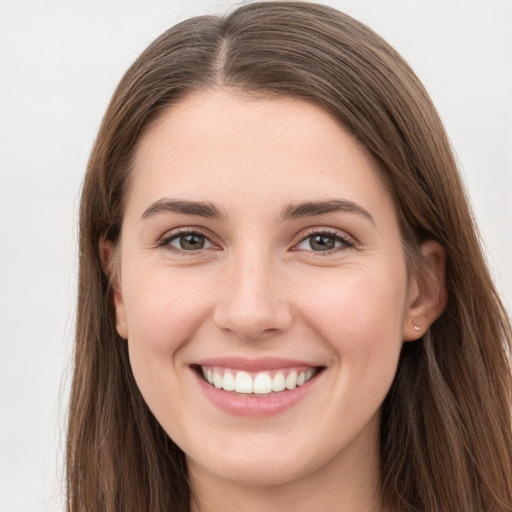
(254, 365)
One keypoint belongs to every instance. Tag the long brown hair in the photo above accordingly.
(446, 436)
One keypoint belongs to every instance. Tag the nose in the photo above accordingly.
(253, 302)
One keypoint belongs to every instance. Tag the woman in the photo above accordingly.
(283, 302)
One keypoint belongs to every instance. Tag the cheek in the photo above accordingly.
(357, 303)
(164, 308)
(163, 311)
(360, 316)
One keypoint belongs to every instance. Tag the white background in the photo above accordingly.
(59, 64)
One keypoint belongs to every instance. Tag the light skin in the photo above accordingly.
(260, 228)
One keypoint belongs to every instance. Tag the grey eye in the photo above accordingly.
(189, 242)
(322, 242)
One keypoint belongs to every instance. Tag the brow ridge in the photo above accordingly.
(312, 208)
(291, 211)
(199, 208)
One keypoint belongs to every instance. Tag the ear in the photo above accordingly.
(110, 265)
(427, 293)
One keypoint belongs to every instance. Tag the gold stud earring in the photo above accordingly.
(417, 328)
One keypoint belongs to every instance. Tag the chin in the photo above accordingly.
(262, 467)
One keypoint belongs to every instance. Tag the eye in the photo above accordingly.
(323, 241)
(186, 241)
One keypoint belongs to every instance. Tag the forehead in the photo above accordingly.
(220, 143)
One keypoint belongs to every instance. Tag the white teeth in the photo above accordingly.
(243, 383)
(278, 382)
(217, 379)
(229, 381)
(291, 380)
(262, 384)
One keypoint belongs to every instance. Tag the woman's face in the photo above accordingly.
(261, 250)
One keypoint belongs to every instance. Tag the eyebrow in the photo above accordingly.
(309, 209)
(200, 209)
(292, 211)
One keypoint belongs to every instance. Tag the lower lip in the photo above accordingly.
(254, 406)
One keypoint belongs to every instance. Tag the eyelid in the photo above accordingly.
(164, 240)
(341, 236)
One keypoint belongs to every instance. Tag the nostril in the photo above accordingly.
(255, 324)
(253, 335)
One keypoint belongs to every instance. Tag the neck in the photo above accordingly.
(349, 482)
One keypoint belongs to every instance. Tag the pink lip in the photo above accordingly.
(253, 365)
(251, 405)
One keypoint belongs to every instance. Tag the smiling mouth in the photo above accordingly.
(257, 384)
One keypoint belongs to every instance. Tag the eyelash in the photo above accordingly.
(338, 237)
(166, 240)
